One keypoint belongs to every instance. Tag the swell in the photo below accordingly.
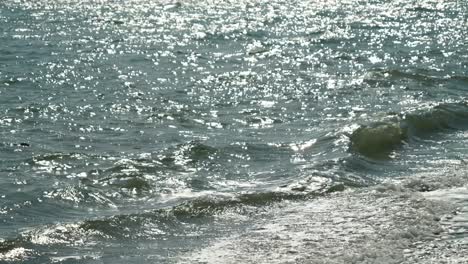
(378, 140)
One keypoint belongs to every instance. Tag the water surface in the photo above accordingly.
(168, 132)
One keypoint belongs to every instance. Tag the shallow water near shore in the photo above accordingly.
(233, 131)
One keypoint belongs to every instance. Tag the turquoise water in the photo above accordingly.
(198, 131)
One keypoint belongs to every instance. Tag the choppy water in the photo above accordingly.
(150, 131)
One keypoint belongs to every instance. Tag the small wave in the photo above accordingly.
(422, 9)
(6, 246)
(129, 226)
(55, 157)
(463, 79)
(380, 139)
(154, 224)
(388, 77)
(196, 151)
(186, 155)
(202, 207)
(15, 254)
(377, 140)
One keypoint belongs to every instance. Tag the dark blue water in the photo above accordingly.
(198, 131)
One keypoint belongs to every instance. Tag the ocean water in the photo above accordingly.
(248, 131)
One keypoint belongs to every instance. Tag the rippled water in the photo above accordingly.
(150, 131)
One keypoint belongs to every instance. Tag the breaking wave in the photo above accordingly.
(378, 140)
